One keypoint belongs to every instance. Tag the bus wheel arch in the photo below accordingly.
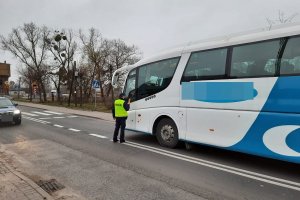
(166, 131)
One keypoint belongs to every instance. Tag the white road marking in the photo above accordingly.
(99, 136)
(36, 120)
(59, 126)
(30, 114)
(72, 129)
(72, 116)
(41, 113)
(55, 113)
(249, 174)
(59, 117)
(45, 118)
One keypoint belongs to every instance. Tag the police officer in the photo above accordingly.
(119, 111)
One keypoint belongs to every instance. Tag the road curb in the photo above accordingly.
(37, 188)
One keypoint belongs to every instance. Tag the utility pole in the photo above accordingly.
(80, 82)
(76, 76)
(19, 87)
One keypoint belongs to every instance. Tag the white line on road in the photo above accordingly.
(41, 113)
(58, 117)
(229, 169)
(221, 165)
(51, 112)
(99, 136)
(45, 118)
(36, 120)
(30, 114)
(72, 116)
(59, 126)
(72, 129)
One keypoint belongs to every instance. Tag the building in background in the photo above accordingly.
(4, 75)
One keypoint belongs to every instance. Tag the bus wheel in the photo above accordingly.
(167, 133)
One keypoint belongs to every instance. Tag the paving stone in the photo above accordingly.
(17, 187)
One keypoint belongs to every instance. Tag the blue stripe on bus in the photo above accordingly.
(218, 92)
(284, 97)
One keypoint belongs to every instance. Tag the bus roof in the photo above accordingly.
(228, 40)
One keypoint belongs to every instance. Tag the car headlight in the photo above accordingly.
(16, 112)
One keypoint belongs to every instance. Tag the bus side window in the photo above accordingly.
(290, 61)
(155, 77)
(205, 64)
(258, 58)
(296, 62)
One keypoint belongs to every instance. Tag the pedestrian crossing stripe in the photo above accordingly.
(30, 114)
(51, 112)
(72, 116)
(41, 113)
(45, 118)
(46, 114)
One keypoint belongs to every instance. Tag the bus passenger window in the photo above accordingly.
(254, 60)
(290, 61)
(206, 64)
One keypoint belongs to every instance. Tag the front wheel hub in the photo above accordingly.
(167, 133)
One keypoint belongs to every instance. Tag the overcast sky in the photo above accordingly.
(152, 25)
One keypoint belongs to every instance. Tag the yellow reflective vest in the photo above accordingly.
(119, 108)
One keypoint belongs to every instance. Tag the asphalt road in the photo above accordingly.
(78, 152)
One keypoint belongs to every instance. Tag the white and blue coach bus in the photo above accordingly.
(240, 93)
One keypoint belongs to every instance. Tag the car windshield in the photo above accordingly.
(5, 103)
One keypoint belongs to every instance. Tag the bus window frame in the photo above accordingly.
(212, 77)
(229, 61)
(138, 72)
(276, 74)
(128, 77)
(295, 74)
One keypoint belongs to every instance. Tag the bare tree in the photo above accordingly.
(282, 19)
(28, 77)
(12, 85)
(105, 56)
(96, 54)
(85, 76)
(62, 47)
(46, 56)
(28, 45)
(120, 54)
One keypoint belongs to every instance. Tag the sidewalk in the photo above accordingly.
(14, 185)
(94, 114)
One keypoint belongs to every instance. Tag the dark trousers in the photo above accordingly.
(120, 122)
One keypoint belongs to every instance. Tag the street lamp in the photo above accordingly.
(19, 87)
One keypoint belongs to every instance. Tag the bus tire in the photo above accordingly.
(167, 133)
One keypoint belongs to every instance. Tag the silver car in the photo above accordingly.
(8, 112)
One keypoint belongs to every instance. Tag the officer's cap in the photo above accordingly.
(122, 95)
